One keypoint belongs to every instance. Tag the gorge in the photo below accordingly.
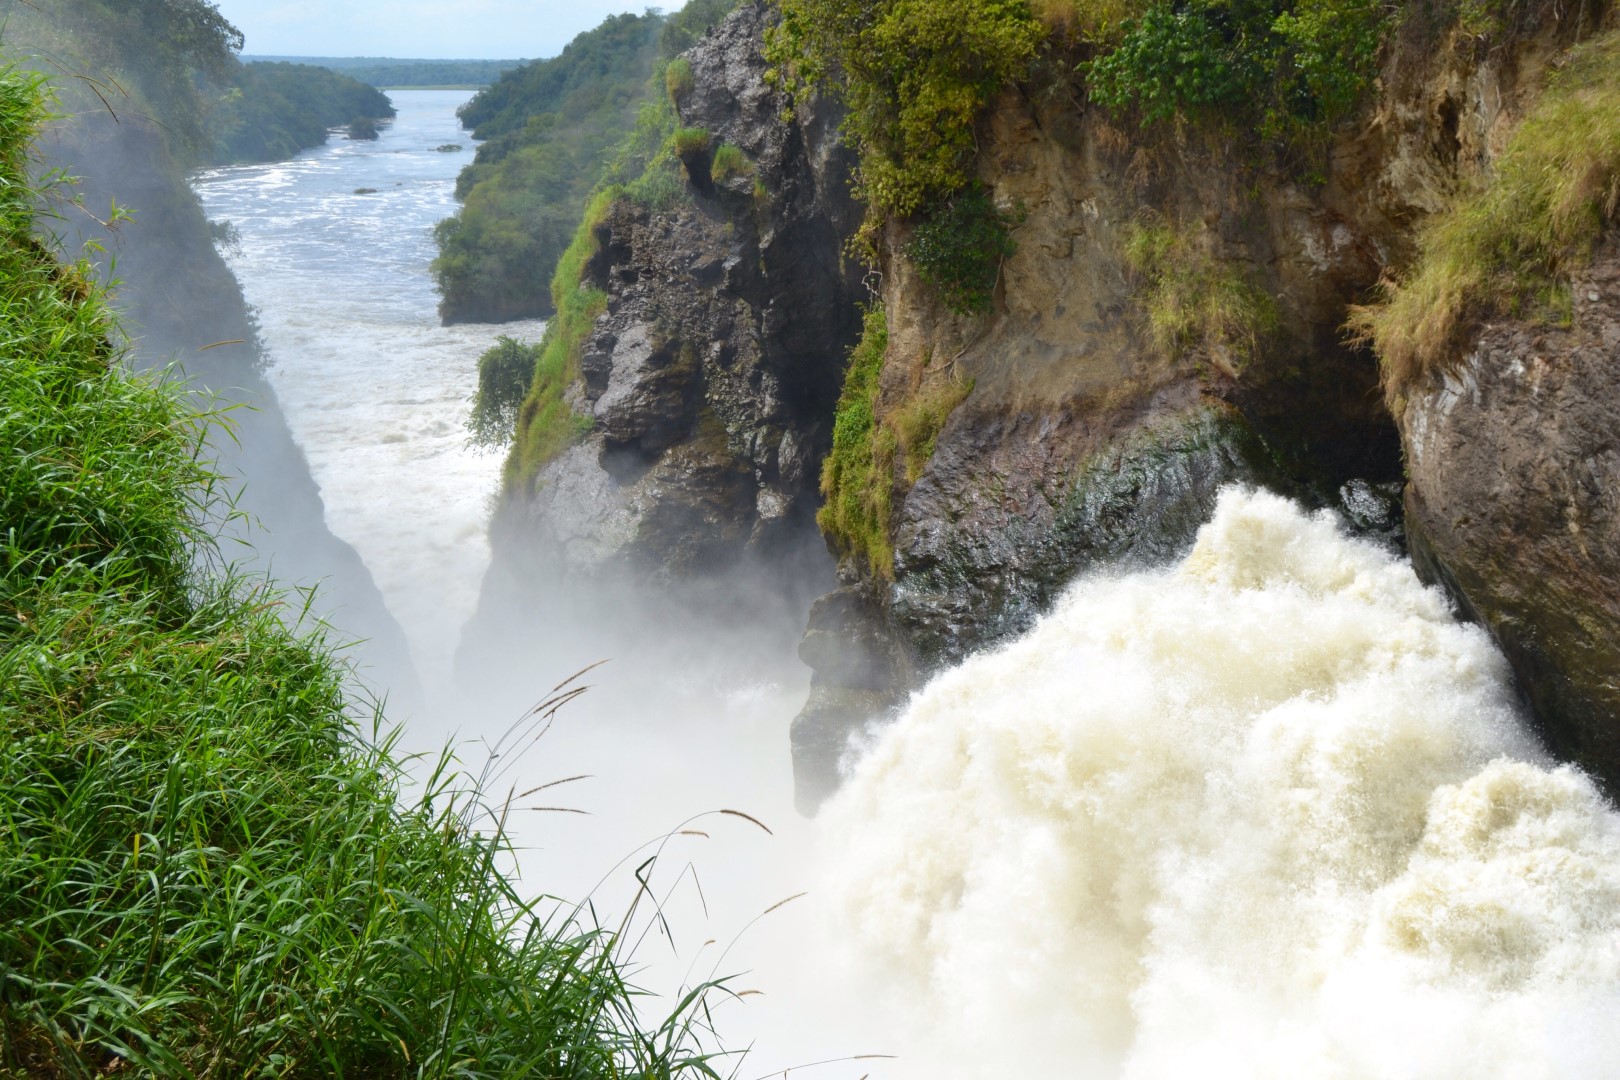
(1145, 565)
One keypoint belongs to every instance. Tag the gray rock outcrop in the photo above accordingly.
(1514, 505)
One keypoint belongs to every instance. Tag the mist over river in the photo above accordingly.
(374, 389)
(1270, 812)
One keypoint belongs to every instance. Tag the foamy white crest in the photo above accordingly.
(1271, 813)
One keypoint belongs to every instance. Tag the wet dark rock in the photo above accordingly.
(860, 673)
(1004, 520)
(1514, 459)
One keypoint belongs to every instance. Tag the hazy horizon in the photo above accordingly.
(419, 29)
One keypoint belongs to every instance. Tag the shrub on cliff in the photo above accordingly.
(207, 868)
(857, 477)
(505, 371)
(914, 74)
(1293, 67)
(958, 248)
(1506, 245)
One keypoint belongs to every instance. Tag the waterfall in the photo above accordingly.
(1271, 812)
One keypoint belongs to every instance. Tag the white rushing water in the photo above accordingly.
(1271, 813)
(375, 391)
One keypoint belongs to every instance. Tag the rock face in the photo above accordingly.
(1084, 444)
(1077, 440)
(710, 379)
(1514, 505)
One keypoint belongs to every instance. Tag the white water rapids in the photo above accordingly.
(1269, 813)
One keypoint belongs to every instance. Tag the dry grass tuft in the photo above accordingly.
(1507, 246)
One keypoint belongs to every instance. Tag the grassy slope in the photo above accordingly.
(204, 866)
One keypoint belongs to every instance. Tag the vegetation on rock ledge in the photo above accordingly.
(1507, 245)
(1193, 303)
(857, 478)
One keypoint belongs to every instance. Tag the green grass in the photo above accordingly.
(546, 424)
(918, 422)
(1507, 246)
(1193, 304)
(729, 161)
(677, 79)
(206, 868)
(857, 478)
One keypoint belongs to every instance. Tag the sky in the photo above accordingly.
(439, 29)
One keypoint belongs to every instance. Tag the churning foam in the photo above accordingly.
(1270, 813)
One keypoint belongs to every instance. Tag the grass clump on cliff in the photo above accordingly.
(857, 477)
(729, 161)
(1193, 303)
(207, 869)
(546, 424)
(919, 420)
(1507, 246)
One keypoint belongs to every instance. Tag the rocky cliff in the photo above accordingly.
(1514, 505)
(1170, 321)
(708, 382)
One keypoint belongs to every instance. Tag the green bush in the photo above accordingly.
(1508, 245)
(857, 477)
(209, 868)
(505, 371)
(1289, 66)
(958, 248)
(915, 76)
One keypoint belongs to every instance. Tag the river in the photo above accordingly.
(333, 255)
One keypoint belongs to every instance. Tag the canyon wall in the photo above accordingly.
(1062, 430)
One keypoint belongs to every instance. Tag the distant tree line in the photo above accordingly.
(274, 110)
(174, 64)
(550, 127)
(385, 71)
